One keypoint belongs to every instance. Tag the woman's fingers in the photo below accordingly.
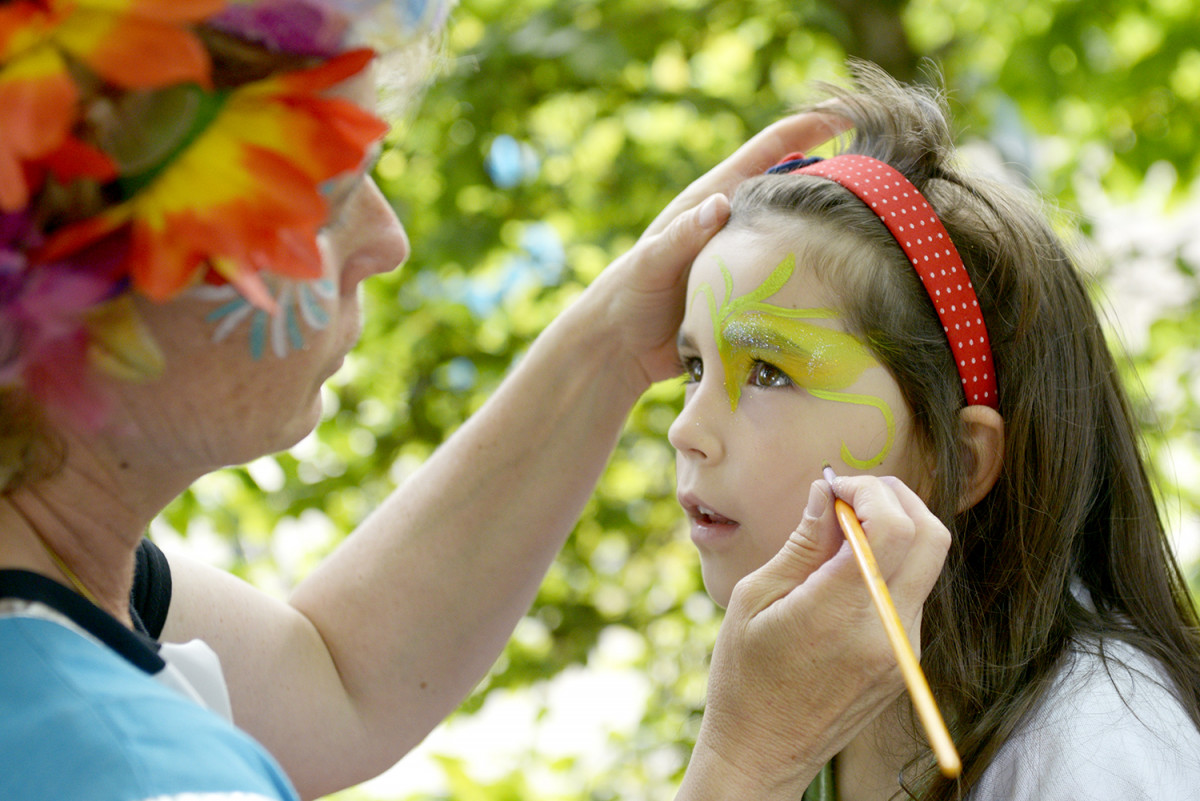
(799, 132)
(662, 260)
(813, 543)
(908, 541)
(802, 662)
(641, 294)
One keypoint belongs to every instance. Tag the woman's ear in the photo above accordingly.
(983, 438)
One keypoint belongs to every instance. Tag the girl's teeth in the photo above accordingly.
(710, 516)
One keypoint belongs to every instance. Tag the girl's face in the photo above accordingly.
(775, 388)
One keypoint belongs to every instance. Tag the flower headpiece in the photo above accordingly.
(129, 162)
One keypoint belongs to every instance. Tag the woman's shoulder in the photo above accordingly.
(1110, 726)
(75, 712)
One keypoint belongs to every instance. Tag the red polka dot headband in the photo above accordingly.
(924, 240)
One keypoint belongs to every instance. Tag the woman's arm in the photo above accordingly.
(389, 635)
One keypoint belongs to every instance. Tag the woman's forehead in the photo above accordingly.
(360, 89)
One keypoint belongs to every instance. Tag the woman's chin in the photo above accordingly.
(287, 433)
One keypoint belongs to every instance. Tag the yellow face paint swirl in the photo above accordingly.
(818, 359)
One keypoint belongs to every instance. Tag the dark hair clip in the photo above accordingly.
(793, 162)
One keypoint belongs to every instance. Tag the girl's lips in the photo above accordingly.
(713, 534)
(709, 527)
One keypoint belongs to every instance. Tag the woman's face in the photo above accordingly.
(776, 388)
(246, 382)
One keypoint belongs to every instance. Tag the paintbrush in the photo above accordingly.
(918, 687)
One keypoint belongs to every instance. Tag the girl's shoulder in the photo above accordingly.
(1110, 726)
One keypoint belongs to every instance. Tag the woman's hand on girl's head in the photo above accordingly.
(802, 661)
(796, 133)
(639, 298)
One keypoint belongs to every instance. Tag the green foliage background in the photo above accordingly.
(611, 107)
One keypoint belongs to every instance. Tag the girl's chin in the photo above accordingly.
(718, 588)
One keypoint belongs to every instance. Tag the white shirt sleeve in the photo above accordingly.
(194, 669)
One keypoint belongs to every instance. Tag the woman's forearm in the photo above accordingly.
(397, 626)
(416, 605)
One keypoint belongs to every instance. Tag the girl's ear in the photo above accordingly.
(983, 440)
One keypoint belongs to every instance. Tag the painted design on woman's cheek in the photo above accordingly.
(819, 359)
(295, 301)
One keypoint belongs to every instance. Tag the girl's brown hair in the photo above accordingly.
(1073, 506)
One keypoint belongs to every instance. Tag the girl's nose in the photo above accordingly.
(696, 434)
(372, 238)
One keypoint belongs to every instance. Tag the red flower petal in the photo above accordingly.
(39, 110)
(77, 159)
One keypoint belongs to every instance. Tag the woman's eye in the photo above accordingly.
(339, 194)
(691, 368)
(337, 211)
(331, 223)
(763, 374)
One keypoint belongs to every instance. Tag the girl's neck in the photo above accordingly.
(868, 768)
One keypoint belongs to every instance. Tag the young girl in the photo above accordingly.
(891, 315)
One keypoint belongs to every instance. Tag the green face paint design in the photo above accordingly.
(822, 361)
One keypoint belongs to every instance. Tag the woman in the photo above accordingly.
(168, 168)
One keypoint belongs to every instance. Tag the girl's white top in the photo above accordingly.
(1107, 730)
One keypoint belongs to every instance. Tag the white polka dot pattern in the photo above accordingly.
(923, 238)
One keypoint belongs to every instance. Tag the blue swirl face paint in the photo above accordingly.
(296, 301)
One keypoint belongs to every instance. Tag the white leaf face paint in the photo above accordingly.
(297, 302)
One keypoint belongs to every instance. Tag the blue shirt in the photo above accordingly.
(82, 716)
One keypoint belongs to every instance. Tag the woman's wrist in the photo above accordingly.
(598, 338)
(714, 774)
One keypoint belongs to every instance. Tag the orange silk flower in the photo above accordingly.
(244, 196)
(134, 44)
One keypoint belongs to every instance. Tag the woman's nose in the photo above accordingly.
(372, 238)
(696, 432)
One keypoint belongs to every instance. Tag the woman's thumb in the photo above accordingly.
(690, 231)
(813, 543)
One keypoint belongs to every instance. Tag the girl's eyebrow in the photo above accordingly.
(738, 334)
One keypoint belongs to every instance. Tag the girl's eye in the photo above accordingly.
(691, 368)
(763, 374)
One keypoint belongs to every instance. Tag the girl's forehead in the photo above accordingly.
(748, 257)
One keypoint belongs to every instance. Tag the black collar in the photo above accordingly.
(134, 646)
